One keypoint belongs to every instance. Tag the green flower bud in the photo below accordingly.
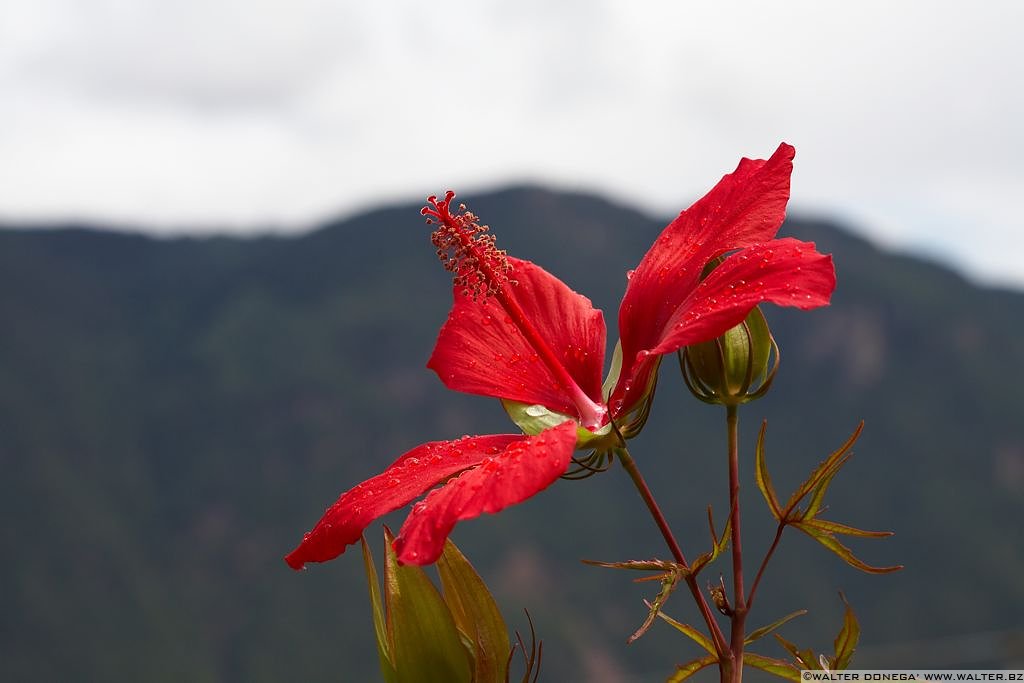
(735, 368)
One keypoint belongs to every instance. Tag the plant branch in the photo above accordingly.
(645, 492)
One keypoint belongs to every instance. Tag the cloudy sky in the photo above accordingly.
(256, 115)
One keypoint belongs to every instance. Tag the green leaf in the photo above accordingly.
(639, 565)
(803, 658)
(837, 528)
(718, 545)
(776, 667)
(684, 671)
(764, 481)
(668, 584)
(829, 541)
(387, 669)
(691, 633)
(535, 418)
(824, 469)
(426, 646)
(849, 636)
(476, 614)
(765, 630)
(818, 494)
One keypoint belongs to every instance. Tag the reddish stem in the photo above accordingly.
(740, 609)
(652, 505)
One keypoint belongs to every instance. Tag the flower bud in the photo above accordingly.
(735, 368)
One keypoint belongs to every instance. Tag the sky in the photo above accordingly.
(251, 116)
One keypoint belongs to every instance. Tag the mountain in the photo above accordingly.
(175, 413)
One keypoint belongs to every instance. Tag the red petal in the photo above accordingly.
(480, 350)
(786, 272)
(524, 469)
(747, 206)
(408, 477)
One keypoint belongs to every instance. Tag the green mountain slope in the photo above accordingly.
(175, 413)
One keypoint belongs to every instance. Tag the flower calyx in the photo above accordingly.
(734, 368)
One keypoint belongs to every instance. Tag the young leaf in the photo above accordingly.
(846, 641)
(765, 630)
(684, 671)
(804, 658)
(668, 584)
(641, 565)
(824, 469)
(426, 646)
(829, 541)
(476, 614)
(718, 545)
(776, 667)
(379, 626)
(818, 494)
(837, 528)
(691, 633)
(764, 481)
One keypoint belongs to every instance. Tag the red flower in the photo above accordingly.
(518, 333)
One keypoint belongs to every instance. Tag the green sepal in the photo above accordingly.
(826, 539)
(691, 633)
(536, 418)
(387, 669)
(425, 642)
(776, 667)
(613, 372)
(476, 615)
(847, 639)
(763, 479)
(684, 671)
(765, 630)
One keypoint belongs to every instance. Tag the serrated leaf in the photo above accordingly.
(849, 635)
(387, 669)
(837, 528)
(818, 494)
(668, 584)
(776, 667)
(765, 630)
(425, 643)
(684, 671)
(829, 541)
(691, 633)
(476, 614)
(639, 565)
(823, 470)
(718, 545)
(763, 479)
(804, 658)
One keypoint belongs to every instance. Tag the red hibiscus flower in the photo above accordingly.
(518, 333)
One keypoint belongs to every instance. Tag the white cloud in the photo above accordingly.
(222, 113)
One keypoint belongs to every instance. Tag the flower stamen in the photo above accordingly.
(466, 248)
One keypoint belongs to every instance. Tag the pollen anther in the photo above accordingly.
(466, 248)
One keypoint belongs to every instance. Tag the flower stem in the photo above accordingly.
(739, 616)
(645, 492)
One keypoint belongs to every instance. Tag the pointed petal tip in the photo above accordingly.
(294, 561)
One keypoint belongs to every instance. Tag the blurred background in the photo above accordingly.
(218, 298)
